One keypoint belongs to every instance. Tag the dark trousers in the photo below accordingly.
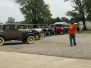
(72, 37)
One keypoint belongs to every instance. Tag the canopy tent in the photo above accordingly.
(63, 23)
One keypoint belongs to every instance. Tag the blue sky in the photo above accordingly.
(9, 8)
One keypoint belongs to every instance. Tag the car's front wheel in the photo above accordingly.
(42, 35)
(30, 39)
(52, 33)
(61, 32)
(47, 33)
(37, 37)
(1, 41)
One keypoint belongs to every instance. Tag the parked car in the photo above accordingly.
(48, 31)
(51, 31)
(58, 28)
(39, 28)
(44, 27)
(11, 32)
(31, 30)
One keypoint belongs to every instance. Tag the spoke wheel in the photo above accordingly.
(37, 37)
(1, 41)
(42, 35)
(30, 39)
(53, 33)
(47, 34)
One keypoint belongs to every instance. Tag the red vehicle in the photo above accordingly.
(57, 28)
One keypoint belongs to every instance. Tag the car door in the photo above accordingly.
(6, 31)
(14, 33)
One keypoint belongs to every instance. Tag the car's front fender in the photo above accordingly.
(29, 34)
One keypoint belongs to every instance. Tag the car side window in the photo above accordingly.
(5, 27)
(13, 27)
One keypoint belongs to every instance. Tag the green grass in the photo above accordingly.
(88, 31)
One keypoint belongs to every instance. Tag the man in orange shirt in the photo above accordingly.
(72, 31)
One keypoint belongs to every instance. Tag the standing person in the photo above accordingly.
(80, 28)
(53, 27)
(72, 31)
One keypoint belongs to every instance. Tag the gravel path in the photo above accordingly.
(57, 45)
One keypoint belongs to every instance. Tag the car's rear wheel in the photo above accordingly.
(52, 33)
(42, 35)
(37, 37)
(1, 41)
(61, 32)
(30, 39)
(47, 34)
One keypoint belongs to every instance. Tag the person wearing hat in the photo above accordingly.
(72, 31)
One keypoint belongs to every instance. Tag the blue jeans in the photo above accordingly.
(72, 37)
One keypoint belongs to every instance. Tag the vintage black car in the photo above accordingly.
(48, 31)
(44, 27)
(11, 32)
(31, 30)
(37, 31)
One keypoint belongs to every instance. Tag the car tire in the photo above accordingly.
(37, 37)
(42, 35)
(52, 33)
(61, 32)
(30, 39)
(1, 41)
(47, 34)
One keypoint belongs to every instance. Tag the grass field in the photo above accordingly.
(88, 31)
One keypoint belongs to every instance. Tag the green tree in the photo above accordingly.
(57, 19)
(79, 11)
(10, 20)
(64, 19)
(52, 21)
(87, 6)
(34, 11)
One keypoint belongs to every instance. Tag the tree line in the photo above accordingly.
(51, 21)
